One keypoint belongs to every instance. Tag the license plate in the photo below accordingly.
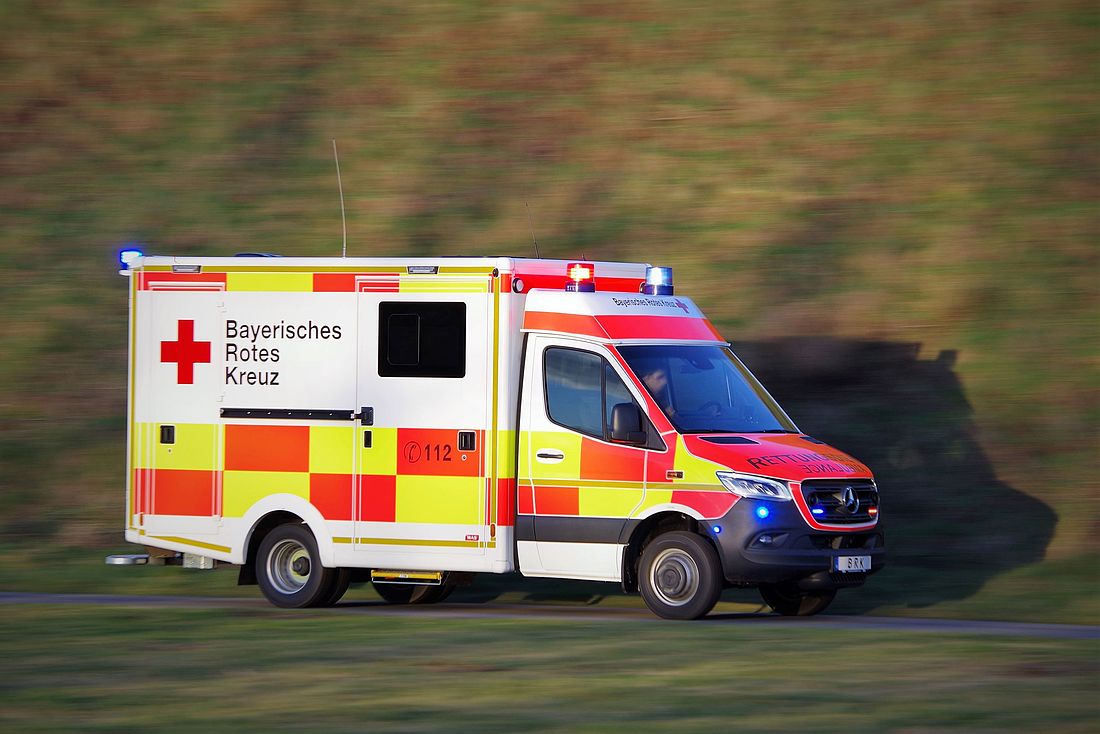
(853, 564)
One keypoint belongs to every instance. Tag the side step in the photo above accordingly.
(422, 578)
(187, 560)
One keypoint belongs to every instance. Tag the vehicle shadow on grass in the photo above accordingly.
(951, 525)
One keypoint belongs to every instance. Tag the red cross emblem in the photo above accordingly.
(185, 352)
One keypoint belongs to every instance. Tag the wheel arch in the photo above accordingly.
(277, 510)
(654, 525)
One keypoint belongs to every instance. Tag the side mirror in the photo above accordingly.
(626, 424)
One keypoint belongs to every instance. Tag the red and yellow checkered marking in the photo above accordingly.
(602, 480)
(408, 475)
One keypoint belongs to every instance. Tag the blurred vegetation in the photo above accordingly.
(107, 669)
(876, 173)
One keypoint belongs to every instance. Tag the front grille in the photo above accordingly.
(830, 495)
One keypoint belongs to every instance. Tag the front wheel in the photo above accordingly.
(289, 570)
(680, 575)
(788, 600)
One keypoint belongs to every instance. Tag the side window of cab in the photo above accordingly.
(582, 391)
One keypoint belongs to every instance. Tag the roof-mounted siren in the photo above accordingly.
(582, 278)
(658, 282)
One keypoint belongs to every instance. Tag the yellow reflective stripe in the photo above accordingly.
(196, 447)
(653, 497)
(242, 489)
(135, 431)
(524, 453)
(414, 542)
(381, 457)
(332, 449)
(591, 483)
(267, 281)
(440, 285)
(493, 438)
(434, 499)
(196, 543)
(607, 501)
(716, 487)
(568, 443)
(696, 470)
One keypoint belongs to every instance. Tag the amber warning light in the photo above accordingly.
(582, 277)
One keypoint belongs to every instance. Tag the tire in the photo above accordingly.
(340, 584)
(787, 599)
(680, 576)
(414, 593)
(289, 570)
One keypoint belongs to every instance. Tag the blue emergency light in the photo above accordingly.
(762, 512)
(658, 282)
(127, 255)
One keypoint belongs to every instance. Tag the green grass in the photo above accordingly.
(86, 669)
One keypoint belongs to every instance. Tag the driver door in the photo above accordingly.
(577, 486)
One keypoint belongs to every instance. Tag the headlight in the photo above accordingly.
(759, 488)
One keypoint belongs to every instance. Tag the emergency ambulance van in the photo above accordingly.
(412, 422)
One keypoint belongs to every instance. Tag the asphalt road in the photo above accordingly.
(578, 613)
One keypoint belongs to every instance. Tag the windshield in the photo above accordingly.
(705, 389)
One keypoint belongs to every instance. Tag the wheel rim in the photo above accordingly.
(674, 577)
(289, 566)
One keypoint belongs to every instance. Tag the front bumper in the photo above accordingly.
(783, 548)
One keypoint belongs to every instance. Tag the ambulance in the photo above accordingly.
(412, 422)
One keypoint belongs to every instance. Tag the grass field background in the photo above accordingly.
(106, 669)
(888, 207)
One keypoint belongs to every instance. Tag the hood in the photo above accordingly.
(788, 456)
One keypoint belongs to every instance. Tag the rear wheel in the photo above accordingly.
(289, 570)
(680, 576)
(790, 601)
(340, 583)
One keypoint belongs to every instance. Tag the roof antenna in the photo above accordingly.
(343, 217)
(532, 224)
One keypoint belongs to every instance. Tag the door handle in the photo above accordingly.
(549, 456)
